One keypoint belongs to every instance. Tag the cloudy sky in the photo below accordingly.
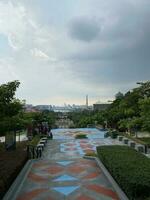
(61, 50)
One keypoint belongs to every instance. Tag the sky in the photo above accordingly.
(62, 50)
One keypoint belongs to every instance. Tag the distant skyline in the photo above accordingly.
(62, 50)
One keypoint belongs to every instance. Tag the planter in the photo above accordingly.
(132, 144)
(140, 148)
(120, 138)
(125, 141)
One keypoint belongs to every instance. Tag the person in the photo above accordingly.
(50, 134)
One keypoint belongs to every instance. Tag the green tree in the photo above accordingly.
(10, 107)
(145, 113)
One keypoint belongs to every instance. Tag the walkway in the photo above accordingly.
(64, 174)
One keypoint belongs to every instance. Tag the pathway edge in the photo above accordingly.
(117, 188)
(18, 182)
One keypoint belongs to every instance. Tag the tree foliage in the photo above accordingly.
(10, 107)
(128, 112)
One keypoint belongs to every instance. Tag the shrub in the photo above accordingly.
(112, 134)
(129, 168)
(81, 136)
(146, 141)
(34, 140)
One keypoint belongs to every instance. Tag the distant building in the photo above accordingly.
(29, 108)
(87, 101)
(100, 106)
(43, 107)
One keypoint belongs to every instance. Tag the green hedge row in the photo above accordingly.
(129, 168)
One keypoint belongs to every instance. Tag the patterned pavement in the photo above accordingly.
(66, 134)
(62, 173)
(81, 147)
(78, 179)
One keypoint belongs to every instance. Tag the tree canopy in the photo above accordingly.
(10, 107)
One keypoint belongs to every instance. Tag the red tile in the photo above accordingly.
(70, 144)
(84, 141)
(104, 191)
(83, 197)
(86, 146)
(36, 178)
(92, 175)
(76, 169)
(54, 169)
(49, 198)
(32, 194)
(71, 149)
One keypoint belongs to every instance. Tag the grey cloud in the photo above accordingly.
(121, 52)
(112, 52)
(84, 29)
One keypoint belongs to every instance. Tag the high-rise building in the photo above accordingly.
(87, 101)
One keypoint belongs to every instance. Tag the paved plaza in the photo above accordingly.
(63, 173)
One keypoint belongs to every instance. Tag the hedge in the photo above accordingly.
(129, 168)
(81, 136)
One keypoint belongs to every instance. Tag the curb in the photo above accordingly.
(17, 184)
(119, 191)
(117, 188)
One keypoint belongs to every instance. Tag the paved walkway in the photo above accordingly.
(63, 174)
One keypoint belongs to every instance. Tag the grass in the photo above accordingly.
(129, 168)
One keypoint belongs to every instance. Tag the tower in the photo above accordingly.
(87, 101)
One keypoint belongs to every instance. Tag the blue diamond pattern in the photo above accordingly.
(65, 163)
(66, 190)
(65, 178)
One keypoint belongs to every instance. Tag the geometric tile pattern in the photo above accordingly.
(81, 147)
(66, 190)
(79, 179)
(92, 133)
(32, 194)
(103, 190)
(84, 197)
(65, 163)
(65, 177)
(54, 170)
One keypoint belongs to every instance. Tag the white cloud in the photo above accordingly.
(39, 54)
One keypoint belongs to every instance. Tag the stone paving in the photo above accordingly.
(62, 173)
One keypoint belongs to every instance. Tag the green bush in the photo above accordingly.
(81, 136)
(146, 141)
(34, 140)
(129, 168)
(112, 134)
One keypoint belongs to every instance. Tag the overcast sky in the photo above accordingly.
(61, 50)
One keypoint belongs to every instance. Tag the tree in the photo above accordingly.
(145, 113)
(10, 107)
